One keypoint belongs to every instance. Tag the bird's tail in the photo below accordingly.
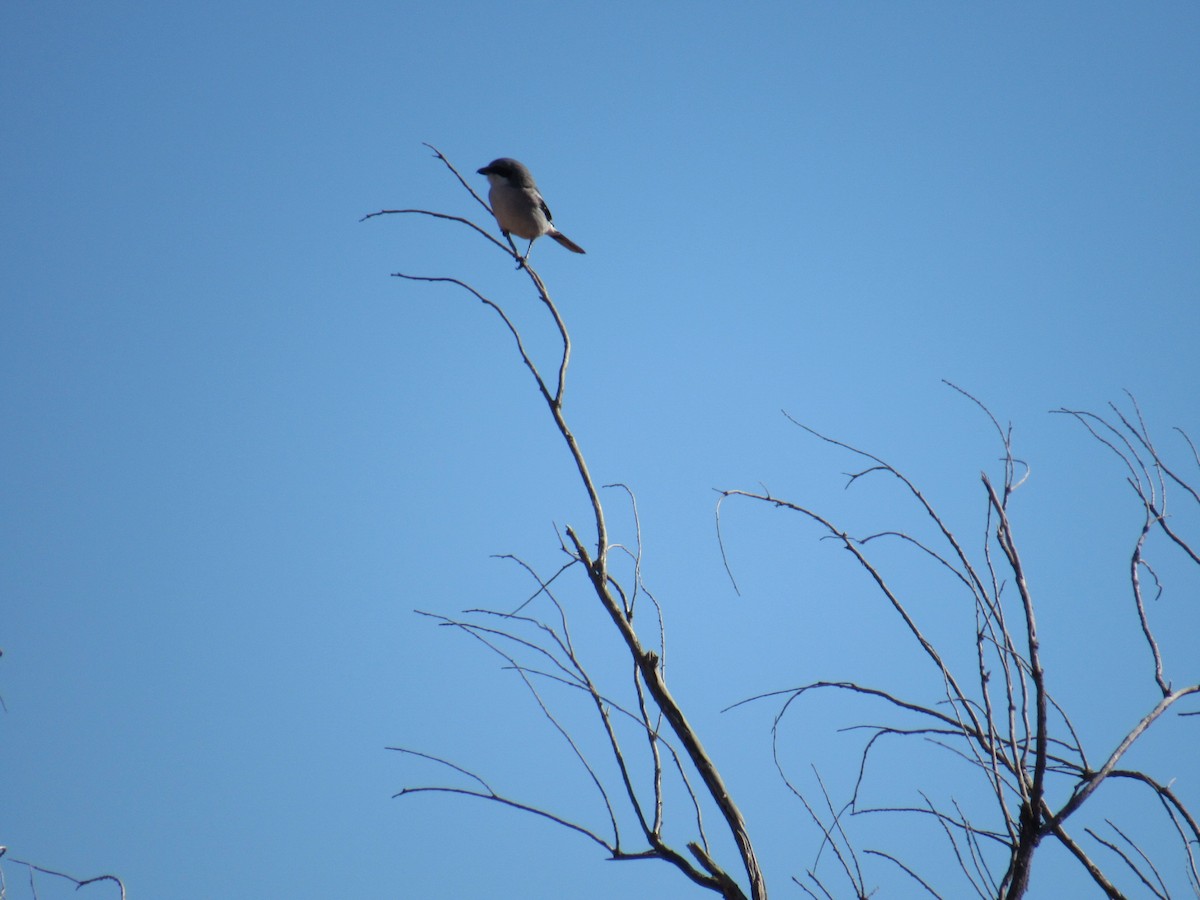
(566, 242)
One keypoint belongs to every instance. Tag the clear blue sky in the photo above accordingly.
(237, 455)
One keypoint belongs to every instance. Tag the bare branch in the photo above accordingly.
(1159, 890)
(437, 215)
(1088, 787)
(647, 663)
(525, 807)
(907, 871)
(957, 695)
(1029, 831)
(495, 307)
(721, 543)
(1136, 563)
(1179, 814)
(78, 882)
(449, 165)
(1093, 870)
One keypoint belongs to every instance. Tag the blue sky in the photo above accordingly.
(238, 454)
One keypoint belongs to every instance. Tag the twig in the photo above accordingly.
(78, 882)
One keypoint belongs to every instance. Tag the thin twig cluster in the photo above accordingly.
(1000, 715)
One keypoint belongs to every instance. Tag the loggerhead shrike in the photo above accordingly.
(518, 206)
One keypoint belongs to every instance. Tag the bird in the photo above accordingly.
(518, 206)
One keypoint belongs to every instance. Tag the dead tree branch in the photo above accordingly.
(652, 700)
(32, 868)
(1008, 729)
